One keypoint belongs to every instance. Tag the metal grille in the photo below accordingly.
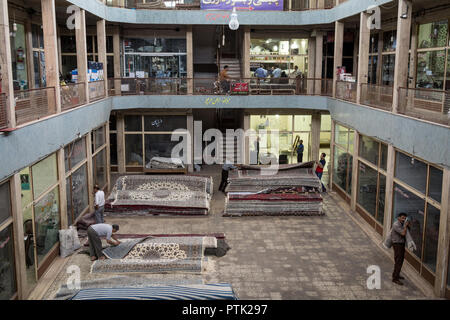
(96, 90)
(34, 104)
(346, 90)
(72, 95)
(380, 97)
(3, 112)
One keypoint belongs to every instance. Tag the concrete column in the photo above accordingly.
(6, 65)
(402, 50)
(80, 35)
(320, 4)
(319, 58)
(90, 171)
(29, 52)
(338, 51)
(51, 51)
(363, 59)
(313, 4)
(315, 136)
(19, 245)
(101, 43)
(190, 59)
(120, 143)
(444, 238)
(388, 214)
(62, 188)
(117, 59)
(413, 57)
(355, 172)
(311, 65)
(246, 53)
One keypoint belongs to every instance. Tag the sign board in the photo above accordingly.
(241, 5)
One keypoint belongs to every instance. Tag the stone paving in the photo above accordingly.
(280, 257)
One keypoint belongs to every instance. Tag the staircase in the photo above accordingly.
(230, 119)
(234, 67)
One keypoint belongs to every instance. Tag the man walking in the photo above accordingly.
(227, 166)
(96, 231)
(319, 169)
(99, 204)
(398, 237)
(300, 150)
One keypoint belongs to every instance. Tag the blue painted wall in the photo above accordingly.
(198, 17)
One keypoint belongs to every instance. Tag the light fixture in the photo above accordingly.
(405, 15)
(275, 48)
(234, 23)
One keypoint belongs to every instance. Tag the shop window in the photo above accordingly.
(19, 58)
(68, 44)
(374, 42)
(45, 175)
(383, 158)
(113, 122)
(8, 286)
(433, 35)
(389, 40)
(159, 145)
(156, 45)
(100, 168)
(381, 198)
(47, 223)
(70, 219)
(341, 135)
(133, 149)
(110, 44)
(367, 188)
(133, 123)
(431, 237)
(411, 171)
(435, 184)
(113, 148)
(369, 149)
(373, 68)
(77, 198)
(37, 36)
(409, 203)
(388, 68)
(273, 122)
(430, 69)
(74, 153)
(164, 123)
(302, 123)
(110, 66)
(99, 137)
(5, 202)
(342, 169)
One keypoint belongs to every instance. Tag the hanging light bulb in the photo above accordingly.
(234, 23)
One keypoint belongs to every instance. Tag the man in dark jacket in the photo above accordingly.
(398, 236)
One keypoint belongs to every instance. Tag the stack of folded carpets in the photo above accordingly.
(162, 195)
(292, 190)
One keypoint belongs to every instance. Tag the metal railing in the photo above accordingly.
(296, 5)
(425, 104)
(72, 95)
(96, 90)
(3, 112)
(346, 90)
(376, 96)
(34, 104)
(147, 86)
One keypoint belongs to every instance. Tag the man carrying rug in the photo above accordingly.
(95, 232)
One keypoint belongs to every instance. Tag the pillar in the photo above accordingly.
(120, 143)
(19, 245)
(338, 51)
(315, 136)
(319, 58)
(311, 65)
(355, 172)
(90, 171)
(190, 59)
(62, 188)
(80, 35)
(320, 4)
(51, 51)
(402, 50)
(389, 191)
(363, 59)
(117, 73)
(101, 43)
(6, 65)
(246, 54)
(444, 238)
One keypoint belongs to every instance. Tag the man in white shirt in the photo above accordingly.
(95, 232)
(99, 204)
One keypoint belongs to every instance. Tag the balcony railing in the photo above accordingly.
(3, 112)
(72, 95)
(380, 97)
(430, 105)
(96, 90)
(346, 90)
(34, 104)
(296, 5)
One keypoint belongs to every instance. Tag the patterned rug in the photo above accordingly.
(160, 195)
(155, 255)
(179, 292)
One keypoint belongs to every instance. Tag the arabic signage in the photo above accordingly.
(241, 4)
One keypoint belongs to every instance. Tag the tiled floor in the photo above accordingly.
(279, 257)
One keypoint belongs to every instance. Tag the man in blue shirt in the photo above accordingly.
(300, 150)
(261, 72)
